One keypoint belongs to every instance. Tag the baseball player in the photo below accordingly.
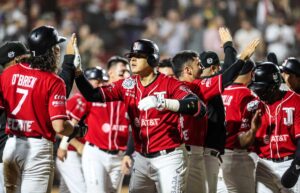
(32, 124)
(216, 132)
(165, 67)
(10, 53)
(238, 167)
(291, 73)
(107, 137)
(187, 68)
(276, 141)
(69, 158)
(154, 101)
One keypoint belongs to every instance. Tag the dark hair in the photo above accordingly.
(114, 60)
(44, 62)
(165, 63)
(180, 59)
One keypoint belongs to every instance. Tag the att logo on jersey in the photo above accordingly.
(106, 127)
(149, 122)
(275, 138)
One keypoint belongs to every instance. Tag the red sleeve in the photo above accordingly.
(178, 89)
(76, 107)
(113, 91)
(57, 100)
(1, 96)
(297, 117)
(210, 87)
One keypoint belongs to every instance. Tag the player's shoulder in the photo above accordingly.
(292, 96)
(76, 97)
(239, 89)
(126, 83)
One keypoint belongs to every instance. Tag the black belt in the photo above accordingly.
(23, 137)
(282, 159)
(157, 153)
(113, 152)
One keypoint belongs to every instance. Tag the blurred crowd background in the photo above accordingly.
(107, 27)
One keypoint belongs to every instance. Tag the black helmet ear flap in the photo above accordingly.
(153, 60)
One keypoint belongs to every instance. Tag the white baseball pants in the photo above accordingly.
(268, 176)
(162, 174)
(212, 167)
(28, 165)
(196, 174)
(71, 171)
(239, 171)
(1, 179)
(102, 171)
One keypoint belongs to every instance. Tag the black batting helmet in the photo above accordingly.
(146, 47)
(266, 79)
(96, 73)
(116, 59)
(291, 65)
(43, 38)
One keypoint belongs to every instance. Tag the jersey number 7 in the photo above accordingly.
(24, 94)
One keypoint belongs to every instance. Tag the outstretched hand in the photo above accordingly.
(249, 50)
(70, 45)
(225, 35)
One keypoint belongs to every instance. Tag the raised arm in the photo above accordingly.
(68, 69)
(232, 72)
(227, 44)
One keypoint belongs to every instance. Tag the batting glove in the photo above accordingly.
(77, 59)
(150, 102)
(290, 176)
(80, 130)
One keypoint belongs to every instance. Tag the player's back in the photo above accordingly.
(32, 98)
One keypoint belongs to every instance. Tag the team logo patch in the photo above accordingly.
(209, 60)
(11, 54)
(136, 46)
(105, 127)
(266, 139)
(185, 89)
(128, 83)
(252, 106)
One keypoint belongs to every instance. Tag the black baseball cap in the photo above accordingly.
(209, 58)
(10, 50)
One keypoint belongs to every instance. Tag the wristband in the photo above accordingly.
(64, 143)
(172, 105)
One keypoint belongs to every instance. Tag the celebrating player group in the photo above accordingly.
(207, 127)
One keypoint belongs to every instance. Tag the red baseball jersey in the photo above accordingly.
(153, 130)
(235, 99)
(108, 123)
(76, 105)
(280, 127)
(32, 99)
(208, 87)
(194, 128)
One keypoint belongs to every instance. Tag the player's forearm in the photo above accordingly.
(90, 94)
(247, 138)
(76, 143)
(190, 105)
(130, 145)
(68, 129)
(230, 56)
(231, 73)
(68, 72)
